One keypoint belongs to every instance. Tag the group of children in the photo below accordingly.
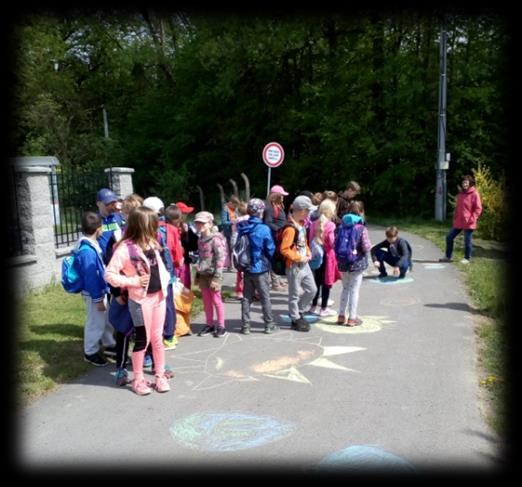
(132, 256)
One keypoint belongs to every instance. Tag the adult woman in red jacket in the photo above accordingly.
(467, 211)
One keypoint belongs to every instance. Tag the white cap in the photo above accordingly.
(154, 203)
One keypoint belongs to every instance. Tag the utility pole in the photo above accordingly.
(442, 159)
(105, 122)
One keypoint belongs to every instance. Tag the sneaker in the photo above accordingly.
(314, 310)
(341, 320)
(147, 361)
(110, 351)
(245, 330)
(327, 312)
(141, 387)
(351, 323)
(170, 343)
(161, 384)
(168, 372)
(122, 377)
(95, 360)
(270, 328)
(300, 325)
(220, 332)
(464, 261)
(330, 302)
(207, 330)
(446, 259)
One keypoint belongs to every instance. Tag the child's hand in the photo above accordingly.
(396, 271)
(376, 263)
(144, 280)
(215, 285)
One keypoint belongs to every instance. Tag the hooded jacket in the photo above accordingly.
(261, 243)
(467, 209)
(90, 261)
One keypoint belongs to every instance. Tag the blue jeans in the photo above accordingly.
(383, 256)
(468, 244)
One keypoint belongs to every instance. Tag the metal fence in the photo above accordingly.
(15, 246)
(73, 191)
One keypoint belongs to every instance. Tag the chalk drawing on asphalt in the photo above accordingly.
(370, 324)
(285, 356)
(392, 280)
(221, 431)
(364, 457)
(431, 267)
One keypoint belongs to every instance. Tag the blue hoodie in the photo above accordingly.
(92, 269)
(261, 243)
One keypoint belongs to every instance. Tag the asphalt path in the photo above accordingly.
(399, 392)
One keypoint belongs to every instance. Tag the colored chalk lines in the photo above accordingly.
(230, 431)
(284, 359)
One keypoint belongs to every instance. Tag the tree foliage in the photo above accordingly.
(192, 99)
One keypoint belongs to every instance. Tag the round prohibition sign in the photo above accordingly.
(273, 154)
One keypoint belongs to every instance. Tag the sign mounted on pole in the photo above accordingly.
(273, 154)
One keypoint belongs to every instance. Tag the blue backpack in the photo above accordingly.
(317, 254)
(72, 280)
(347, 249)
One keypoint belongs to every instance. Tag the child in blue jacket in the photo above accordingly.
(92, 269)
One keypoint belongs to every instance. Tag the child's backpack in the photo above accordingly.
(242, 254)
(72, 280)
(278, 260)
(317, 254)
(349, 256)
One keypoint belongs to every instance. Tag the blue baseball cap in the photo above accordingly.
(106, 196)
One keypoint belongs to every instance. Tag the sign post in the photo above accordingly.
(273, 156)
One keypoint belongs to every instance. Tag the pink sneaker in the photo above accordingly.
(141, 387)
(327, 312)
(162, 384)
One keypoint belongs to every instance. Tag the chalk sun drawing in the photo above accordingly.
(228, 431)
(370, 324)
(284, 357)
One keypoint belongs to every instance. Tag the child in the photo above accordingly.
(228, 218)
(351, 261)
(92, 269)
(323, 231)
(346, 197)
(137, 265)
(209, 274)
(395, 251)
(188, 237)
(295, 249)
(257, 277)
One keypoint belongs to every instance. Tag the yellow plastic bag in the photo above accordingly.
(183, 299)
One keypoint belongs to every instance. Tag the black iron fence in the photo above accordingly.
(73, 191)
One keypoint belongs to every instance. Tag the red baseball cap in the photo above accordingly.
(184, 208)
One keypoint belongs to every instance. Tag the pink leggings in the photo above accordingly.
(239, 282)
(212, 299)
(152, 311)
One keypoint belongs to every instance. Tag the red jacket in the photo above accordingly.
(467, 209)
(173, 243)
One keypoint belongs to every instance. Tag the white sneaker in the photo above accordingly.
(330, 302)
(464, 261)
(327, 312)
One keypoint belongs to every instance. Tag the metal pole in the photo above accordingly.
(268, 184)
(234, 186)
(105, 122)
(440, 191)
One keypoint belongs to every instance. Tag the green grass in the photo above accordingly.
(485, 279)
(50, 341)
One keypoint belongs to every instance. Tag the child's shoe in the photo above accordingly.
(141, 387)
(161, 384)
(341, 320)
(170, 343)
(327, 312)
(122, 377)
(220, 332)
(147, 361)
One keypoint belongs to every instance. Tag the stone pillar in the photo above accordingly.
(36, 267)
(121, 180)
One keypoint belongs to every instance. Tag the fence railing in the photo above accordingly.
(73, 191)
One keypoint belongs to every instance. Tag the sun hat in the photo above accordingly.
(204, 217)
(106, 196)
(184, 208)
(278, 189)
(154, 203)
(303, 203)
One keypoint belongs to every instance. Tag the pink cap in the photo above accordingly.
(278, 189)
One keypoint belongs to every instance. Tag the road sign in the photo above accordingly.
(273, 154)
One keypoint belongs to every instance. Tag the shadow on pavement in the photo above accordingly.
(456, 306)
